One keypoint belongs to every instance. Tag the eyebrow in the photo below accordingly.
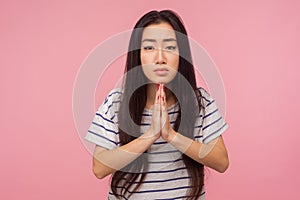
(164, 40)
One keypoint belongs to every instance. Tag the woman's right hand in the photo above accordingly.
(156, 120)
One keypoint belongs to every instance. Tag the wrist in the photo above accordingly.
(149, 135)
(171, 136)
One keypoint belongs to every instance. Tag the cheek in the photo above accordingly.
(148, 73)
(145, 69)
(142, 59)
(145, 59)
(174, 61)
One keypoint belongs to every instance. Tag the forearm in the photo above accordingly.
(215, 156)
(108, 161)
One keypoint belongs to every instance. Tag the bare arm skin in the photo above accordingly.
(213, 154)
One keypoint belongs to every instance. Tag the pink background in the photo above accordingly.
(255, 44)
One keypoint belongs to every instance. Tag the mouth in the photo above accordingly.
(161, 71)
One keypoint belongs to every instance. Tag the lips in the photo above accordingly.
(161, 71)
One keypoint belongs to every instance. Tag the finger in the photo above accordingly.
(163, 95)
(160, 93)
(164, 116)
(159, 99)
(156, 106)
(157, 95)
(163, 106)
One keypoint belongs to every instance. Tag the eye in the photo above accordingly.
(171, 48)
(148, 48)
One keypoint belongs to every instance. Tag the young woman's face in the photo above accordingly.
(159, 53)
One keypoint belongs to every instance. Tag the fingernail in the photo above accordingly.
(163, 98)
(157, 97)
(158, 86)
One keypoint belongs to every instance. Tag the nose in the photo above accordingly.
(161, 59)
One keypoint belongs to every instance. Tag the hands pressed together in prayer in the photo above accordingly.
(160, 125)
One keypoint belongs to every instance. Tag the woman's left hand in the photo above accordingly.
(167, 132)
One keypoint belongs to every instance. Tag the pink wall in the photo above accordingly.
(255, 44)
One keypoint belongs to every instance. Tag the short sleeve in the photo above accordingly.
(103, 130)
(210, 123)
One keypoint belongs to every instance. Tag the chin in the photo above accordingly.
(164, 80)
(153, 78)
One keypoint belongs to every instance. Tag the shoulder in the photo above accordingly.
(112, 101)
(114, 95)
(204, 96)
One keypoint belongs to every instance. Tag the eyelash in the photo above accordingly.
(169, 48)
(148, 48)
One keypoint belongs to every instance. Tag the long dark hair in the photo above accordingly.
(136, 98)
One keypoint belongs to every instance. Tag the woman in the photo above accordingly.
(157, 132)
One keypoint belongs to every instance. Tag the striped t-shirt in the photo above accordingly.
(167, 176)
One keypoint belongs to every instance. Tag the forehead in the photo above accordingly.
(159, 32)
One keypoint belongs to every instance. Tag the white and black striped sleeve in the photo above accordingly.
(103, 130)
(212, 124)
